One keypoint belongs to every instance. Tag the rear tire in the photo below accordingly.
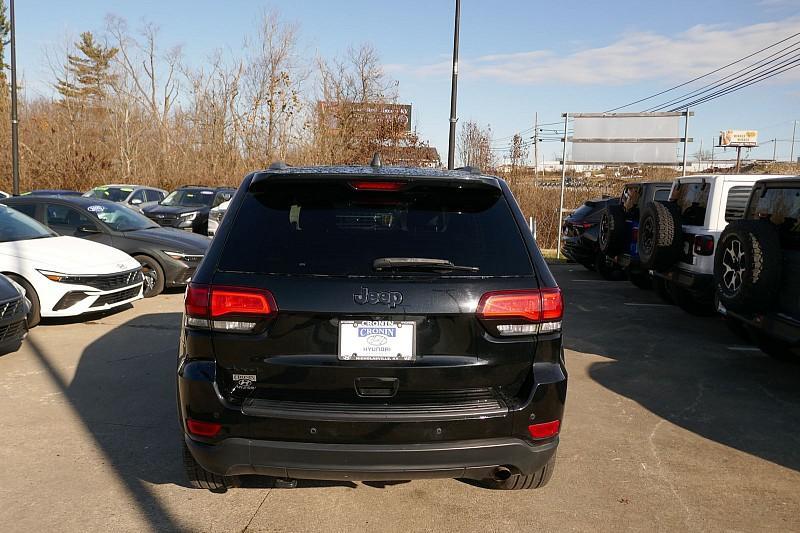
(604, 267)
(660, 236)
(35, 314)
(747, 266)
(689, 302)
(611, 235)
(536, 480)
(200, 478)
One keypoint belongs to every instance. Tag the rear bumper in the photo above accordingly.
(773, 325)
(578, 250)
(687, 279)
(461, 459)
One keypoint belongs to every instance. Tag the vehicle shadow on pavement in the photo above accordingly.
(124, 393)
(688, 370)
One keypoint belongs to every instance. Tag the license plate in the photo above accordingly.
(376, 340)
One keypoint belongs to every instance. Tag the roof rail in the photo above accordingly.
(278, 165)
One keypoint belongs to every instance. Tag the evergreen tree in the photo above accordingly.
(90, 72)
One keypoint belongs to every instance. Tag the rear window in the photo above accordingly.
(736, 202)
(330, 229)
(583, 211)
(692, 198)
(782, 208)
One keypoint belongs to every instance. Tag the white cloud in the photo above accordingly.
(634, 57)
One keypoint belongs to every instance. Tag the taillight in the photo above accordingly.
(235, 309)
(704, 245)
(365, 185)
(202, 429)
(545, 430)
(522, 312)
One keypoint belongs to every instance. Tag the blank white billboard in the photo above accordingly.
(626, 138)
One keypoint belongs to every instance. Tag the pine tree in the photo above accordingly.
(91, 71)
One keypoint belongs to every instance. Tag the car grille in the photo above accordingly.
(114, 298)
(12, 331)
(107, 282)
(8, 309)
(164, 220)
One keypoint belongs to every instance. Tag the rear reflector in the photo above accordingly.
(377, 185)
(545, 430)
(203, 429)
(543, 305)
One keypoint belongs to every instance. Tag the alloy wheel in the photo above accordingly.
(733, 261)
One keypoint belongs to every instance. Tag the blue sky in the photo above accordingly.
(517, 57)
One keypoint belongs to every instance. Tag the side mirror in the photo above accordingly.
(136, 201)
(87, 228)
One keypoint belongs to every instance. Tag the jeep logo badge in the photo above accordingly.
(390, 298)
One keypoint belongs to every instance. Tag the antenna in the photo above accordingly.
(376, 161)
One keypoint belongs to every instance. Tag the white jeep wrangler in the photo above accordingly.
(677, 238)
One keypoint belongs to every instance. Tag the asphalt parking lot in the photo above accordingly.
(671, 424)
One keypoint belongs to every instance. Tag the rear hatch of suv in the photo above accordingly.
(357, 300)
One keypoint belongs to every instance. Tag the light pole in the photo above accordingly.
(451, 146)
(14, 119)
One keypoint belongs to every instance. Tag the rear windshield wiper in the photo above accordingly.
(419, 263)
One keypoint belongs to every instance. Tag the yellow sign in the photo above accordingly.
(736, 138)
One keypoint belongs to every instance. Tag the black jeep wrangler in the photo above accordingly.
(756, 268)
(619, 228)
(372, 323)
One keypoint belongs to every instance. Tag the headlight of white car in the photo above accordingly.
(54, 276)
(188, 217)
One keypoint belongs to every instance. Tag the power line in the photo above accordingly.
(733, 77)
(704, 75)
(755, 79)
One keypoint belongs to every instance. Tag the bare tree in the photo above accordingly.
(475, 145)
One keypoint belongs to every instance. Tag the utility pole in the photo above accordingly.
(685, 139)
(451, 148)
(791, 150)
(712, 155)
(14, 118)
(774, 150)
(535, 148)
(563, 180)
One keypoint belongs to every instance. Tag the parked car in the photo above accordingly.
(579, 234)
(168, 257)
(677, 239)
(215, 217)
(64, 276)
(51, 192)
(619, 228)
(187, 208)
(14, 309)
(133, 196)
(756, 268)
(392, 324)
(4, 194)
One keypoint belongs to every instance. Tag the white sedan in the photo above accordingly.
(64, 276)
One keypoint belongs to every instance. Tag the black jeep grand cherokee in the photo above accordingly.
(372, 323)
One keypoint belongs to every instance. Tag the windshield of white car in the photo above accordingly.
(14, 226)
(114, 194)
(119, 218)
(189, 197)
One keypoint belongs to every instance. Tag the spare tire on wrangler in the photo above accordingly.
(611, 235)
(747, 265)
(660, 236)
